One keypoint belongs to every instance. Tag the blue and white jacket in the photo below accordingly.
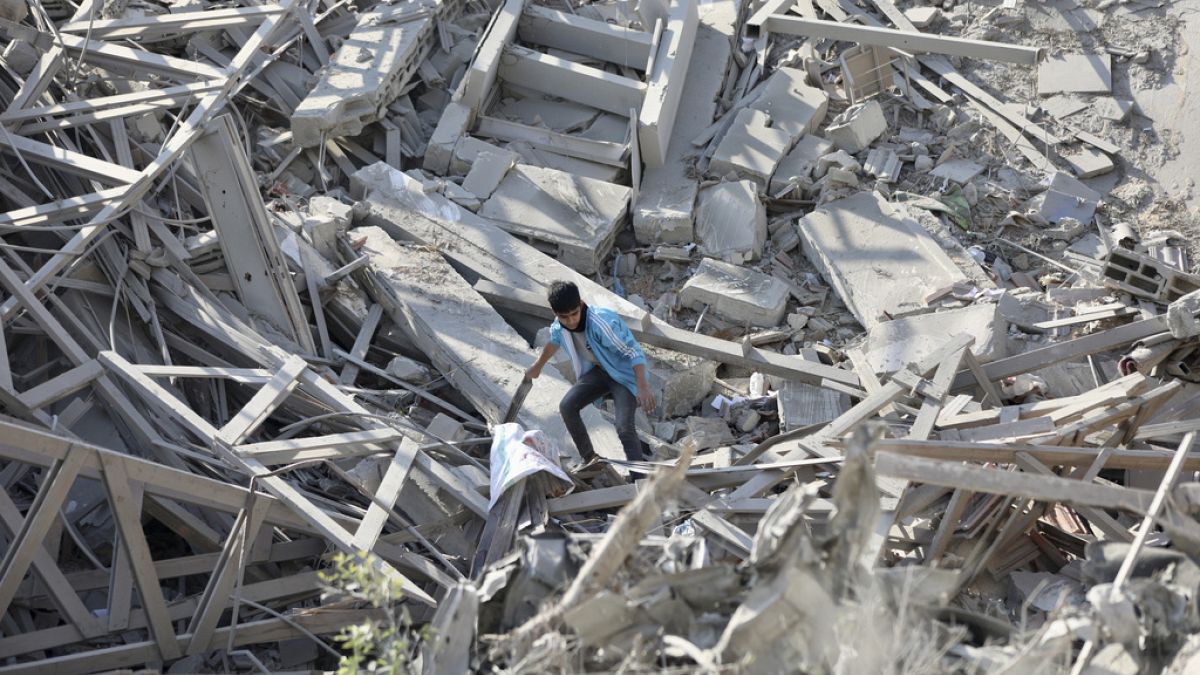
(612, 343)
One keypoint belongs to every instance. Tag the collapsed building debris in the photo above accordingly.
(914, 284)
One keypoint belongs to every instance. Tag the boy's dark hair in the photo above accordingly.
(563, 296)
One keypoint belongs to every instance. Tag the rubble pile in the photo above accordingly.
(918, 306)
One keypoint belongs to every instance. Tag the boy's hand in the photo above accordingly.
(532, 372)
(645, 398)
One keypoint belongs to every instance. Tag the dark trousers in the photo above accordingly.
(593, 385)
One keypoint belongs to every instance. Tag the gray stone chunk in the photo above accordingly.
(578, 216)
(468, 149)
(792, 105)
(486, 173)
(893, 344)
(880, 261)
(1181, 316)
(736, 293)
(857, 127)
(1089, 162)
(731, 222)
(797, 166)
(451, 127)
(751, 148)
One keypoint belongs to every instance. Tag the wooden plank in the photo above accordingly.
(331, 446)
(362, 342)
(950, 518)
(133, 540)
(1106, 523)
(62, 385)
(386, 495)
(28, 541)
(911, 42)
(265, 401)
(169, 25)
(1052, 455)
(120, 584)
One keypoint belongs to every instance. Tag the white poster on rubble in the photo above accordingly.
(517, 453)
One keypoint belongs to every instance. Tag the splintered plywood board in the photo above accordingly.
(477, 351)
(1075, 73)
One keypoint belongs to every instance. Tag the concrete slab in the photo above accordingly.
(731, 222)
(1068, 198)
(880, 261)
(667, 196)
(1089, 162)
(751, 149)
(467, 151)
(486, 173)
(923, 17)
(960, 171)
(1075, 73)
(893, 344)
(663, 95)
(793, 106)
(577, 216)
(736, 293)
(799, 162)
(469, 343)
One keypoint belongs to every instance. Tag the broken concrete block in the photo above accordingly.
(881, 262)
(1089, 162)
(883, 164)
(798, 164)
(404, 368)
(450, 128)
(1068, 198)
(802, 404)
(327, 218)
(1146, 277)
(486, 173)
(578, 216)
(736, 293)
(731, 222)
(839, 159)
(857, 127)
(1181, 316)
(752, 148)
(959, 171)
(681, 388)
(369, 70)
(792, 105)
(1075, 73)
(891, 345)
(923, 17)
(467, 151)
(709, 432)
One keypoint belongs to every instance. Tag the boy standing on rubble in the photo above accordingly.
(607, 361)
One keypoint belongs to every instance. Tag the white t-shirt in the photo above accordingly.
(581, 346)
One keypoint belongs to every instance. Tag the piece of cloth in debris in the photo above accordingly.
(517, 453)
